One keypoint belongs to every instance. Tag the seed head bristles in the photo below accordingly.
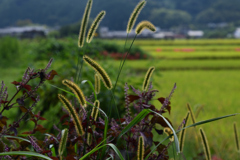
(144, 25)
(84, 23)
(89, 137)
(97, 84)
(205, 145)
(73, 114)
(191, 113)
(63, 142)
(94, 26)
(76, 90)
(147, 78)
(183, 133)
(101, 72)
(134, 15)
(236, 136)
(95, 110)
(140, 153)
(169, 132)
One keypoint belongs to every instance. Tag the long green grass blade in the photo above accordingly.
(137, 119)
(20, 138)
(174, 133)
(96, 149)
(91, 85)
(25, 153)
(207, 121)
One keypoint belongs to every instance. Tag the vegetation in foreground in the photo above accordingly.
(66, 133)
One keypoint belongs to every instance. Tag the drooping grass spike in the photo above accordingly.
(63, 142)
(169, 132)
(101, 72)
(95, 110)
(140, 153)
(147, 78)
(73, 114)
(76, 90)
(144, 25)
(191, 113)
(205, 145)
(84, 23)
(97, 84)
(183, 133)
(94, 26)
(236, 136)
(134, 15)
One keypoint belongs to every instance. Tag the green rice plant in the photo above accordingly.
(101, 72)
(97, 83)
(134, 15)
(141, 149)
(144, 25)
(73, 114)
(147, 78)
(183, 133)
(84, 23)
(76, 90)
(205, 145)
(63, 143)
(94, 26)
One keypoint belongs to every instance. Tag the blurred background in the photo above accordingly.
(196, 46)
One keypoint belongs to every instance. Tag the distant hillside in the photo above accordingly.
(163, 13)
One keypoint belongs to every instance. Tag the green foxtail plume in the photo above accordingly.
(191, 113)
(236, 136)
(134, 15)
(89, 137)
(144, 25)
(97, 84)
(84, 23)
(140, 153)
(147, 78)
(183, 133)
(95, 110)
(76, 90)
(63, 142)
(198, 110)
(169, 132)
(94, 26)
(205, 145)
(101, 72)
(73, 114)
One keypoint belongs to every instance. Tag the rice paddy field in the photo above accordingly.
(207, 73)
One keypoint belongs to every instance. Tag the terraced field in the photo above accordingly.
(207, 72)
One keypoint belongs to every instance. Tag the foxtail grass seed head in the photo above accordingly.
(97, 84)
(144, 25)
(191, 113)
(95, 110)
(63, 142)
(169, 132)
(76, 90)
(147, 78)
(236, 136)
(140, 153)
(134, 15)
(183, 133)
(101, 72)
(84, 23)
(73, 114)
(94, 26)
(205, 145)
(89, 138)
